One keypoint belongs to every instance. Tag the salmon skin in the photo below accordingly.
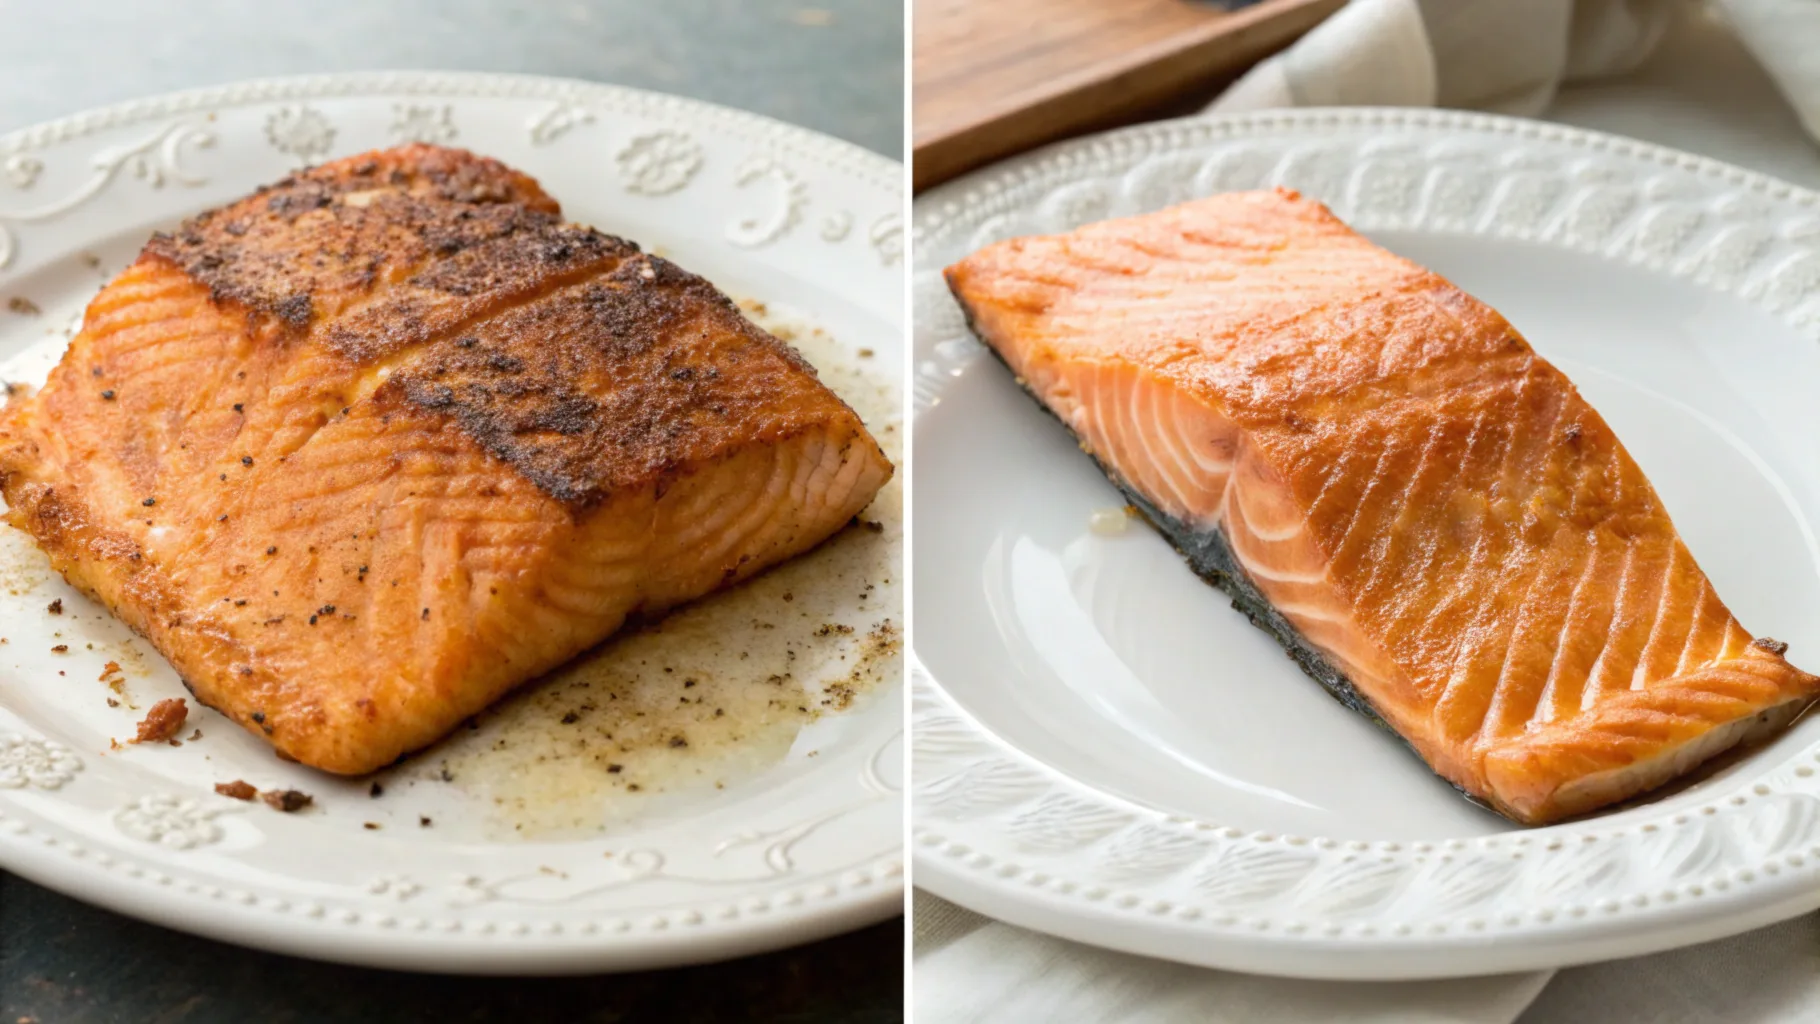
(1389, 480)
(365, 450)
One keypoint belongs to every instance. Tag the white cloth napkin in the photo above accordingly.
(1507, 56)
(969, 969)
(1511, 56)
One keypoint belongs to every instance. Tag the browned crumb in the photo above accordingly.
(110, 674)
(239, 789)
(865, 353)
(23, 306)
(195, 735)
(56, 607)
(423, 821)
(112, 703)
(371, 826)
(163, 720)
(61, 649)
(287, 800)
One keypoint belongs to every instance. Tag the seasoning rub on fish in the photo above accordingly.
(1388, 479)
(371, 447)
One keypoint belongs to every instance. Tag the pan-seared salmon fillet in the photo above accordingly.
(1389, 479)
(371, 447)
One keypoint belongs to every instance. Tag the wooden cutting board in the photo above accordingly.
(996, 77)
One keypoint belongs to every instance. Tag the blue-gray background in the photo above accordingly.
(833, 65)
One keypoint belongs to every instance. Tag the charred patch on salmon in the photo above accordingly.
(1776, 647)
(524, 254)
(611, 383)
(295, 310)
(332, 232)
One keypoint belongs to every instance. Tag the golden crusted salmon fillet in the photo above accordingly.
(1388, 479)
(369, 448)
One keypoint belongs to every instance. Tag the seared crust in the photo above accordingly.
(569, 354)
(297, 249)
(616, 381)
(363, 452)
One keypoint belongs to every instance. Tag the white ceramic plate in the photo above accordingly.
(1104, 750)
(785, 832)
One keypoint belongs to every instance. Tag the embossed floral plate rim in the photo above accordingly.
(1644, 880)
(743, 190)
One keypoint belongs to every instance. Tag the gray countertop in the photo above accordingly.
(836, 66)
(832, 65)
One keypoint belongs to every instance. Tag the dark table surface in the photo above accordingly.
(832, 65)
